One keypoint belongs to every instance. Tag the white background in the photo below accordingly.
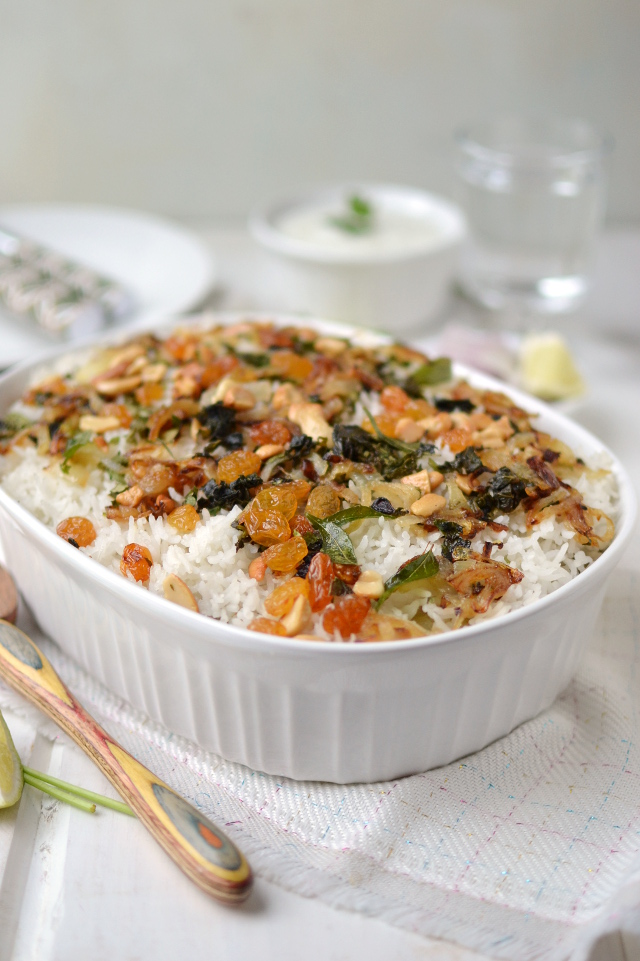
(200, 108)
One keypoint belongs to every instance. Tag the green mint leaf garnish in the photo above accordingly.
(359, 217)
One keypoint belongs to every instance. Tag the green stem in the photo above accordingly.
(59, 794)
(106, 802)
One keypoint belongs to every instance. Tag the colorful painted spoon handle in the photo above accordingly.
(196, 845)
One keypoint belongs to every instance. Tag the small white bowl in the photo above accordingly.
(397, 286)
(312, 710)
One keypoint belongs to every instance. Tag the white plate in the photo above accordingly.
(166, 267)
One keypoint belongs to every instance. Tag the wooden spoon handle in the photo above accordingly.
(196, 845)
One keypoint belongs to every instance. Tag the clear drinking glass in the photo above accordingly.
(533, 192)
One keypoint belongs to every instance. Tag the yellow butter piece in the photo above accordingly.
(547, 368)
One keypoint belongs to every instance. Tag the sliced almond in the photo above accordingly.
(118, 385)
(421, 480)
(285, 395)
(153, 373)
(239, 398)
(269, 450)
(310, 419)
(98, 424)
(369, 584)
(136, 365)
(257, 569)
(298, 617)
(427, 505)
(408, 430)
(175, 589)
(435, 478)
(130, 497)
(464, 484)
(330, 346)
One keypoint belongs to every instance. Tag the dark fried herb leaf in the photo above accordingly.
(335, 542)
(234, 441)
(417, 569)
(502, 494)
(301, 445)
(225, 495)
(256, 360)
(466, 462)
(357, 445)
(384, 506)
(454, 546)
(451, 403)
(219, 420)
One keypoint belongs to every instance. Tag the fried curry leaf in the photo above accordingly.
(219, 420)
(81, 439)
(357, 445)
(417, 569)
(222, 495)
(335, 542)
(502, 495)
(454, 546)
(358, 513)
(391, 441)
(466, 462)
(449, 404)
(436, 371)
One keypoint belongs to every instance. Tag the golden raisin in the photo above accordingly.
(320, 579)
(457, 439)
(264, 626)
(276, 499)
(282, 599)
(238, 464)
(323, 501)
(386, 423)
(148, 394)
(349, 573)
(137, 561)
(300, 524)
(118, 410)
(183, 519)
(284, 558)
(290, 365)
(77, 530)
(394, 399)
(266, 527)
(269, 432)
(216, 370)
(299, 488)
(346, 615)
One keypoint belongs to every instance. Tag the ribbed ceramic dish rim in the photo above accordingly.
(212, 630)
(262, 226)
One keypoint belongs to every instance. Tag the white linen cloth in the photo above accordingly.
(528, 849)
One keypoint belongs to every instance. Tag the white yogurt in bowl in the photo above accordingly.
(374, 255)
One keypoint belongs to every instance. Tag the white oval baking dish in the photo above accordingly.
(319, 711)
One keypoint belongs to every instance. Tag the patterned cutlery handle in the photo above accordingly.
(196, 845)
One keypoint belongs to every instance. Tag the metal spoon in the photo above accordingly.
(196, 845)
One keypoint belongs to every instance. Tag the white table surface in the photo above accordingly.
(75, 887)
